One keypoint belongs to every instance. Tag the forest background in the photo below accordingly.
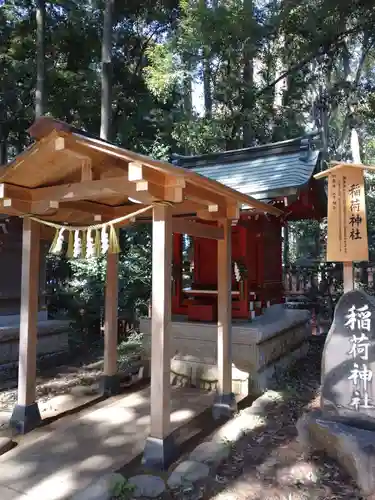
(187, 76)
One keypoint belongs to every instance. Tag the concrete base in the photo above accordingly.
(159, 453)
(110, 385)
(224, 406)
(25, 418)
(14, 319)
(260, 349)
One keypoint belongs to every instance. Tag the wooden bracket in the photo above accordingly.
(183, 226)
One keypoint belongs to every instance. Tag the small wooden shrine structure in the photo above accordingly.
(280, 175)
(68, 177)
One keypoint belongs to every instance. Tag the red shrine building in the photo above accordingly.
(280, 174)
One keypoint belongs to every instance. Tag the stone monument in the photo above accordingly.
(344, 427)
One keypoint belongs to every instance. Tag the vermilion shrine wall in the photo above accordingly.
(257, 251)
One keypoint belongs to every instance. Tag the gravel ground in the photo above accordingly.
(60, 382)
(267, 464)
(270, 464)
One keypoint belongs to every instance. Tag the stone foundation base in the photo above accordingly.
(159, 453)
(224, 406)
(353, 448)
(109, 385)
(189, 371)
(25, 418)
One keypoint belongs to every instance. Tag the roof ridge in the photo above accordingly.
(298, 144)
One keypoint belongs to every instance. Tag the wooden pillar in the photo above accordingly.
(159, 448)
(110, 379)
(225, 404)
(26, 416)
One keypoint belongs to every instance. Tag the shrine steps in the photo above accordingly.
(261, 349)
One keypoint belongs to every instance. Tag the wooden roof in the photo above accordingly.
(69, 176)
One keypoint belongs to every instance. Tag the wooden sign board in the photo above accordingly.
(347, 225)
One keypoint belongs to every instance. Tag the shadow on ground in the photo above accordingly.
(269, 462)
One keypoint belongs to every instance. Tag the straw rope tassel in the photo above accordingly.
(97, 243)
(83, 244)
(53, 246)
(70, 251)
(114, 245)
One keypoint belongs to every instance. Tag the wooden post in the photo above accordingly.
(225, 403)
(110, 379)
(347, 276)
(26, 416)
(159, 448)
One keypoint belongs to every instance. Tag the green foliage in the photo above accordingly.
(129, 350)
(76, 288)
(122, 490)
(236, 51)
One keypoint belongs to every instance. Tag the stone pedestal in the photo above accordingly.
(260, 349)
(353, 448)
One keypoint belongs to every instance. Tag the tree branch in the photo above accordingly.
(323, 49)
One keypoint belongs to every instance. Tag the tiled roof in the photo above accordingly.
(278, 169)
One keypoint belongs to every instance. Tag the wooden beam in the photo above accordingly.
(90, 207)
(16, 207)
(16, 192)
(205, 197)
(110, 380)
(225, 402)
(26, 413)
(138, 172)
(161, 320)
(102, 188)
(224, 306)
(86, 173)
(196, 229)
(169, 193)
(156, 183)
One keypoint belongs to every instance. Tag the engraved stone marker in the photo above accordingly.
(348, 364)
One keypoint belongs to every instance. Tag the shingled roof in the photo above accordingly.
(263, 172)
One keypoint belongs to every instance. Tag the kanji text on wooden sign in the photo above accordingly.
(347, 225)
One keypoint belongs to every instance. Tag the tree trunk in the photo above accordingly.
(187, 94)
(248, 80)
(106, 77)
(40, 58)
(207, 70)
(207, 85)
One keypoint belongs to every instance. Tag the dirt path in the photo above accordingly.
(270, 464)
(54, 383)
